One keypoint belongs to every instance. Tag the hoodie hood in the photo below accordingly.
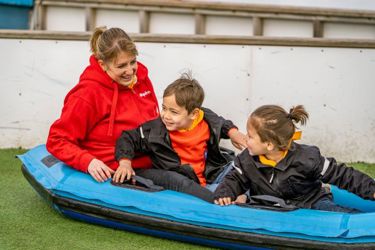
(95, 74)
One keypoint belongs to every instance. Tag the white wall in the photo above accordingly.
(339, 4)
(73, 19)
(335, 85)
(65, 18)
(127, 20)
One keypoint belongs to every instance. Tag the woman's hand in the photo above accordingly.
(124, 171)
(99, 171)
(237, 138)
(224, 201)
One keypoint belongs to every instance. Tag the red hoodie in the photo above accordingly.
(95, 113)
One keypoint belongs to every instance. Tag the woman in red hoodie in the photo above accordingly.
(114, 94)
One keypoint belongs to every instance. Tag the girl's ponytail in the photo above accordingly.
(274, 124)
(298, 114)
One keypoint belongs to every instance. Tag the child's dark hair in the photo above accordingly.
(274, 124)
(106, 44)
(188, 92)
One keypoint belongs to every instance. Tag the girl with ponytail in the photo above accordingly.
(278, 172)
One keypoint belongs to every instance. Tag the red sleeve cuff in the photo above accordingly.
(85, 161)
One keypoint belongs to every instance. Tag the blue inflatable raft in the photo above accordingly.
(182, 217)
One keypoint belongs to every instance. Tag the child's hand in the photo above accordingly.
(241, 199)
(123, 172)
(99, 171)
(237, 138)
(224, 201)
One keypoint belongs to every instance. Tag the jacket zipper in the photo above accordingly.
(272, 175)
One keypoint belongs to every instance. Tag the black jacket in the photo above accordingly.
(152, 138)
(297, 178)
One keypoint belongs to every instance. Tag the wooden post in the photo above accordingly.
(144, 21)
(90, 18)
(318, 28)
(40, 12)
(200, 24)
(257, 26)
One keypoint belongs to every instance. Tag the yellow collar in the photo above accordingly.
(195, 122)
(269, 162)
(134, 81)
(296, 136)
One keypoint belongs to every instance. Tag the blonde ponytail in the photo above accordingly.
(94, 41)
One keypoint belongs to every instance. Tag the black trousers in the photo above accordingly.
(177, 182)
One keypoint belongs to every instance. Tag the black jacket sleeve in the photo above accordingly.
(226, 125)
(128, 144)
(234, 184)
(346, 178)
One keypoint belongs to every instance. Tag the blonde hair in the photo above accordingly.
(274, 124)
(106, 44)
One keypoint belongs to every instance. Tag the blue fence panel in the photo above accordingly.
(27, 3)
(14, 17)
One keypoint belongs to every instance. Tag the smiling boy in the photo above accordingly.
(183, 143)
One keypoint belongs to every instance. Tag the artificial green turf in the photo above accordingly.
(364, 167)
(28, 222)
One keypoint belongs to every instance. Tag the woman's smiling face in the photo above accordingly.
(123, 69)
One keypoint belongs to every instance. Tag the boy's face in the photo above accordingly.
(175, 117)
(254, 143)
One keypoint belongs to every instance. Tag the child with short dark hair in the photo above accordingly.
(183, 143)
(273, 164)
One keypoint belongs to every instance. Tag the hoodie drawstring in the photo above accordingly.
(113, 110)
